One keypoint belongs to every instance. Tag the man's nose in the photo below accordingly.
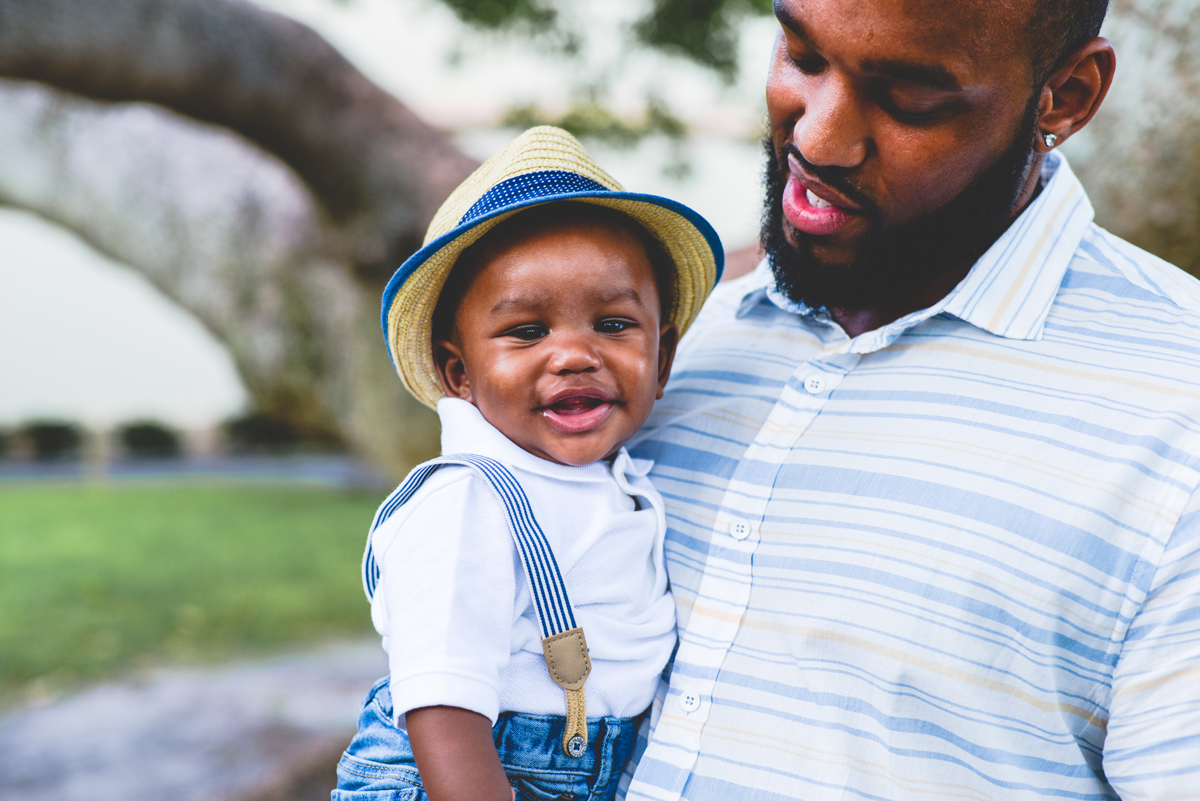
(575, 353)
(832, 131)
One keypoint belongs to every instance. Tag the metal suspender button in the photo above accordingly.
(576, 746)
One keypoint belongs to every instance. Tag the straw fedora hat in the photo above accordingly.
(542, 165)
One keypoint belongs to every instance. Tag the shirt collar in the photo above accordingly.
(1009, 290)
(465, 430)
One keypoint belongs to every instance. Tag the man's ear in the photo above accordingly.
(452, 370)
(668, 338)
(1073, 93)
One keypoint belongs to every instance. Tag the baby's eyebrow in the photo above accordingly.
(541, 302)
(628, 293)
(519, 303)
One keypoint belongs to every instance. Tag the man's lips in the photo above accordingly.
(575, 412)
(811, 207)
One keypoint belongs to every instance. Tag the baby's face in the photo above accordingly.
(560, 344)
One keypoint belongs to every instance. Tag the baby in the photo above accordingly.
(540, 318)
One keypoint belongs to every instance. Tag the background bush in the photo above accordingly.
(52, 440)
(149, 440)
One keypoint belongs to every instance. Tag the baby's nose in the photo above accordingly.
(575, 354)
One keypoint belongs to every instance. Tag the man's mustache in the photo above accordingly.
(833, 177)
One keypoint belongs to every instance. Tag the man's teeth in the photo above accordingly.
(816, 202)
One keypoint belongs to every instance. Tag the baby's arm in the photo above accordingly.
(446, 602)
(456, 755)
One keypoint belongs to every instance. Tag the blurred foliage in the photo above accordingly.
(96, 581)
(49, 440)
(700, 30)
(149, 440)
(703, 31)
(5, 443)
(258, 433)
(591, 119)
(496, 14)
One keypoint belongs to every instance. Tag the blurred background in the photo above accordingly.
(200, 203)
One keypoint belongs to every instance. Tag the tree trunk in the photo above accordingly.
(239, 162)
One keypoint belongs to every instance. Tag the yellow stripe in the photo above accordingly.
(757, 740)
(1056, 369)
(1159, 510)
(1019, 284)
(956, 568)
(925, 664)
(1152, 684)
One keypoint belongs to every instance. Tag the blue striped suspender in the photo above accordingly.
(563, 643)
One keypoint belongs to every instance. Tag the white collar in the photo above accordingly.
(465, 430)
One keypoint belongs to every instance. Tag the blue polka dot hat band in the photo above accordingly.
(542, 165)
(531, 186)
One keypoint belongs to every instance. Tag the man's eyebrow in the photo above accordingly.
(788, 21)
(933, 75)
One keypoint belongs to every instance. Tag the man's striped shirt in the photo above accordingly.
(955, 557)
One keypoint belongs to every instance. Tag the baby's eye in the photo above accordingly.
(613, 326)
(526, 333)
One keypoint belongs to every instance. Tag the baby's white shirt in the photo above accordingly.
(453, 604)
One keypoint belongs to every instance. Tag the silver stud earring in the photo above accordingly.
(1050, 139)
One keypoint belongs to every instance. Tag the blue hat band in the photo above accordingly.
(528, 187)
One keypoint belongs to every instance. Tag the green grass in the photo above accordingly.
(94, 581)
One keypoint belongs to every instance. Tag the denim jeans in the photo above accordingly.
(379, 764)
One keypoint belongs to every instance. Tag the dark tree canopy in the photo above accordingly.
(703, 31)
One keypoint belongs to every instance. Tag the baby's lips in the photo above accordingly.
(573, 402)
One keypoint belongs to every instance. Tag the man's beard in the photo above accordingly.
(894, 264)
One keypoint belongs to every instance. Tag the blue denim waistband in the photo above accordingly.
(529, 747)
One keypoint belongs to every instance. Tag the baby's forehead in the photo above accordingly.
(547, 225)
(556, 222)
(561, 250)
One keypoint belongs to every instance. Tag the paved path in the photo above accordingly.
(255, 730)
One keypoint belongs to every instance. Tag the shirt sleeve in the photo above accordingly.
(448, 581)
(1152, 748)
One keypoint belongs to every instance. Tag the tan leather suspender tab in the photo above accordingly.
(569, 664)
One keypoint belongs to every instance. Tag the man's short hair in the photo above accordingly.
(1060, 26)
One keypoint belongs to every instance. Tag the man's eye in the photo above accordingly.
(612, 326)
(915, 110)
(808, 63)
(526, 333)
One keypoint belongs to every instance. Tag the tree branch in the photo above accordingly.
(376, 168)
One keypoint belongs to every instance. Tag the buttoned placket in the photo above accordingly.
(724, 591)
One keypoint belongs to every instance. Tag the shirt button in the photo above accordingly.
(689, 702)
(739, 529)
(814, 385)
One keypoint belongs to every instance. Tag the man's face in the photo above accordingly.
(901, 138)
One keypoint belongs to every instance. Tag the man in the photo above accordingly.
(931, 470)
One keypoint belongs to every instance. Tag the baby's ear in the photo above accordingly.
(452, 370)
(668, 338)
